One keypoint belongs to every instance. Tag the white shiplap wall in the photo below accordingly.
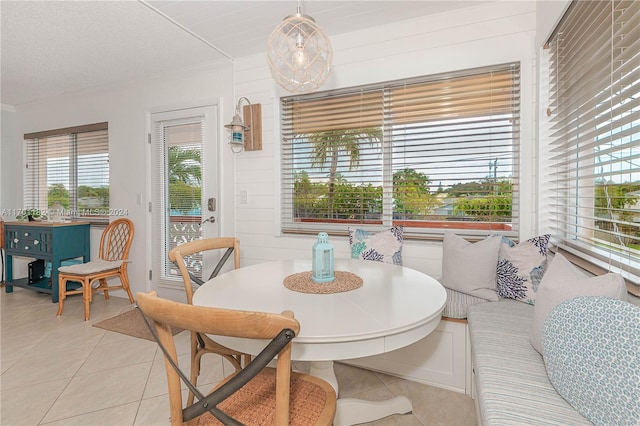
(478, 36)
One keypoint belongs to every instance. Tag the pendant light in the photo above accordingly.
(299, 54)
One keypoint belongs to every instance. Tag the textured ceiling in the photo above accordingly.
(53, 47)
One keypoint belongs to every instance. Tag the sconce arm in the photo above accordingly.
(250, 115)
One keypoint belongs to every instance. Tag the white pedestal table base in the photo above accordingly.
(352, 411)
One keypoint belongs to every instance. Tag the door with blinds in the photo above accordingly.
(184, 191)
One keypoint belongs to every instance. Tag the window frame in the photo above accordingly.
(586, 112)
(425, 229)
(35, 182)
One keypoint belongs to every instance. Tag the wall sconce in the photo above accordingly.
(242, 136)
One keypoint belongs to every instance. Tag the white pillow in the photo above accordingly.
(563, 281)
(470, 268)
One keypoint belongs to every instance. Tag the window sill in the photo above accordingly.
(413, 230)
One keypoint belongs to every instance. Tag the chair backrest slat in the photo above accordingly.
(178, 254)
(116, 240)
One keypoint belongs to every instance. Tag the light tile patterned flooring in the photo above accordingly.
(63, 371)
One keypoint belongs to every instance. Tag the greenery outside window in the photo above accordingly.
(179, 155)
(67, 173)
(594, 113)
(430, 153)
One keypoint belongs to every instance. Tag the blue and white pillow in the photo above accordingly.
(385, 246)
(591, 349)
(521, 267)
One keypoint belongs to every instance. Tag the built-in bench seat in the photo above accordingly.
(511, 383)
(458, 303)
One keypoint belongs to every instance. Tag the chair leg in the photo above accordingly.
(86, 297)
(195, 367)
(246, 359)
(103, 287)
(235, 361)
(62, 293)
(124, 278)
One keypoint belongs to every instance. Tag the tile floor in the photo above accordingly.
(62, 371)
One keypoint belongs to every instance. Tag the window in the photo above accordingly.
(594, 57)
(67, 172)
(427, 153)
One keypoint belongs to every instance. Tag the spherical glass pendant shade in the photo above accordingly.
(299, 54)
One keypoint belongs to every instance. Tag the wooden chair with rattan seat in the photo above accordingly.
(201, 344)
(115, 243)
(257, 395)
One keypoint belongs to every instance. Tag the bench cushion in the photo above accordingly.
(93, 267)
(591, 348)
(458, 304)
(510, 377)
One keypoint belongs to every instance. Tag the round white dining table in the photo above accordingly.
(395, 307)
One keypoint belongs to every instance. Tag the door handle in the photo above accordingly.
(212, 219)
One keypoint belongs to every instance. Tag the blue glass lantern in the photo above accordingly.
(322, 260)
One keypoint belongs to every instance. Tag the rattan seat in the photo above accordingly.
(254, 396)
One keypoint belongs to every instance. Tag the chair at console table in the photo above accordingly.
(52, 242)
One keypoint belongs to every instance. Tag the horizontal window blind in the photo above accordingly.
(184, 167)
(177, 202)
(427, 153)
(595, 134)
(67, 172)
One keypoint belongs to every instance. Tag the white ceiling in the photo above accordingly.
(53, 47)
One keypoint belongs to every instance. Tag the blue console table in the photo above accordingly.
(53, 242)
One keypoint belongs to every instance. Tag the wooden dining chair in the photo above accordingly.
(111, 263)
(200, 343)
(255, 395)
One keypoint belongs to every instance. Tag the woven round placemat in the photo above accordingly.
(302, 282)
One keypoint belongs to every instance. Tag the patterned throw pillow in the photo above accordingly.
(591, 349)
(521, 267)
(385, 246)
